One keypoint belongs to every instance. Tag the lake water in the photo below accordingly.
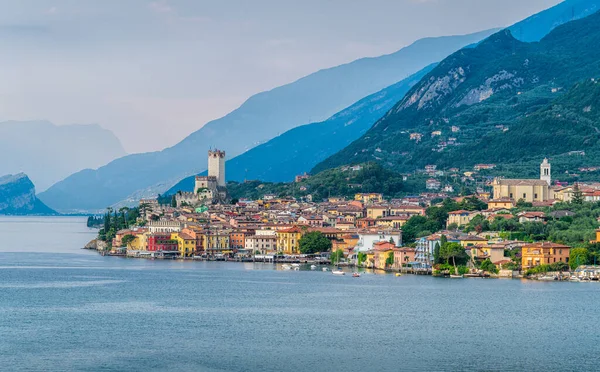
(63, 308)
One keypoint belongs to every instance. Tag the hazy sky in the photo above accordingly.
(154, 71)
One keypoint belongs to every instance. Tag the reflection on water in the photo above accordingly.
(69, 309)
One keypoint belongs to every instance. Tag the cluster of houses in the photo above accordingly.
(367, 226)
(270, 227)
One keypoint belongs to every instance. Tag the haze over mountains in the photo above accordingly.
(48, 152)
(263, 116)
(299, 149)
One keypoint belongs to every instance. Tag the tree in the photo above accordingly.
(392, 240)
(127, 239)
(488, 266)
(436, 254)
(453, 252)
(577, 195)
(577, 257)
(337, 256)
(314, 242)
(361, 257)
(173, 202)
(389, 260)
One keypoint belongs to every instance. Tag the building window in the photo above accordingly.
(510, 195)
(535, 196)
(524, 196)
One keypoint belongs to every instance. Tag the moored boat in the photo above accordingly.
(456, 276)
(338, 272)
(355, 275)
(286, 267)
(398, 274)
(313, 267)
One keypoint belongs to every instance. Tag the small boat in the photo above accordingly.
(313, 267)
(547, 278)
(338, 272)
(398, 274)
(456, 276)
(295, 265)
(286, 267)
(325, 269)
(296, 268)
(355, 275)
(574, 279)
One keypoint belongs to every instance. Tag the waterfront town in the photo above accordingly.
(522, 227)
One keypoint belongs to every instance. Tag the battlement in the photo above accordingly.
(206, 178)
(216, 154)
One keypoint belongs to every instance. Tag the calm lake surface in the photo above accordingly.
(63, 308)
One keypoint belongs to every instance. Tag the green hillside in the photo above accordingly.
(342, 181)
(506, 100)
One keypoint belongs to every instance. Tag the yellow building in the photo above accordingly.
(377, 211)
(393, 222)
(471, 240)
(216, 242)
(369, 198)
(501, 203)
(597, 237)
(460, 218)
(536, 254)
(186, 244)
(140, 243)
(288, 240)
(529, 190)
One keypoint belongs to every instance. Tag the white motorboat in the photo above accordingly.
(325, 269)
(574, 279)
(313, 267)
(286, 267)
(296, 268)
(456, 276)
(338, 272)
(295, 265)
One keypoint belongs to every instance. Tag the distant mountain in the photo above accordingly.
(48, 152)
(301, 148)
(503, 101)
(311, 99)
(17, 197)
(539, 25)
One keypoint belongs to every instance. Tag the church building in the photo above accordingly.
(529, 190)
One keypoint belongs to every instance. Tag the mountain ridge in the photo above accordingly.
(247, 126)
(497, 84)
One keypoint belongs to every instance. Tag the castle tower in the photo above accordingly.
(545, 173)
(216, 166)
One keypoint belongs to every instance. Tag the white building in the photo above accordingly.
(164, 226)
(264, 241)
(366, 240)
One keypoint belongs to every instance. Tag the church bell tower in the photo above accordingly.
(545, 173)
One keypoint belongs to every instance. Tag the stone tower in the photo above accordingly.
(216, 166)
(545, 173)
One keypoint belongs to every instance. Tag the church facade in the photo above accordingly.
(528, 190)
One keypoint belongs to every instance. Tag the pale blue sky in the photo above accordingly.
(154, 71)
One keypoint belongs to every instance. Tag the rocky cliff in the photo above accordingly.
(17, 197)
